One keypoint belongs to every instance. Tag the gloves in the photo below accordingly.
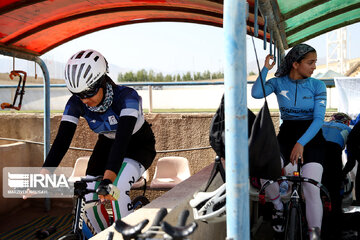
(104, 188)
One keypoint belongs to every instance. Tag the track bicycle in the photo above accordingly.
(159, 227)
(80, 229)
(296, 226)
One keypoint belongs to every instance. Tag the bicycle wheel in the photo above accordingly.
(293, 228)
(139, 202)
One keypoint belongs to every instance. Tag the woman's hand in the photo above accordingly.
(267, 62)
(297, 153)
(28, 193)
(110, 176)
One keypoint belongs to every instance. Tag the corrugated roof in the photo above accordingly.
(37, 26)
(298, 21)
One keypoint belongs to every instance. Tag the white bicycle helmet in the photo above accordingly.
(84, 69)
(210, 206)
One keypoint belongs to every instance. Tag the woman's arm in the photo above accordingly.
(313, 129)
(350, 164)
(319, 114)
(124, 131)
(61, 144)
(257, 91)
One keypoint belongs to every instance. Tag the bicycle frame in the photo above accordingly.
(81, 205)
(295, 198)
(294, 210)
(80, 190)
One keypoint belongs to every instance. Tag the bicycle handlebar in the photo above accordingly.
(180, 232)
(156, 224)
(175, 232)
(297, 179)
(129, 231)
(183, 217)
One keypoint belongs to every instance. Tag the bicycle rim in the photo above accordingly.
(139, 202)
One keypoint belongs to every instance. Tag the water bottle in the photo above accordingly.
(283, 188)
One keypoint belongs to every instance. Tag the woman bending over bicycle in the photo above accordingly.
(126, 144)
(302, 104)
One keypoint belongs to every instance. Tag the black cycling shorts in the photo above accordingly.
(291, 131)
(141, 148)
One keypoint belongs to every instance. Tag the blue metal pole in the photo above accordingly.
(46, 105)
(265, 31)
(236, 149)
(271, 43)
(256, 25)
(46, 116)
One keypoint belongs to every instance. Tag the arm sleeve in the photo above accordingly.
(319, 115)
(124, 131)
(61, 144)
(352, 146)
(256, 90)
(350, 164)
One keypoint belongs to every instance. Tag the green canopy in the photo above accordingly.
(295, 21)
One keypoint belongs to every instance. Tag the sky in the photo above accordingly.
(173, 47)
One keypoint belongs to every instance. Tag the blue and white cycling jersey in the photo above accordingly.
(303, 99)
(126, 102)
(336, 132)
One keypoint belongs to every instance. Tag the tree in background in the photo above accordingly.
(141, 76)
(144, 76)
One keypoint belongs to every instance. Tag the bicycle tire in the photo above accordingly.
(139, 202)
(292, 231)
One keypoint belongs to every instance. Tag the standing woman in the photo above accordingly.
(126, 144)
(302, 104)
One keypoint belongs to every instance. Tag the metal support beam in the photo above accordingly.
(236, 149)
(266, 10)
(46, 105)
(30, 57)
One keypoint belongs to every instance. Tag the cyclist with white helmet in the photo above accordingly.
(302, 104)
(126, 144)
(335, 132)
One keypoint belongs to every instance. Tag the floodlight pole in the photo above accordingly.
(236, 130)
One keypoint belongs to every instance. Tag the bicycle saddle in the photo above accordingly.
(178, 233)
(129, 231)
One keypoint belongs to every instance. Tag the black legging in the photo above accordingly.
(353, 148)
(332, 179)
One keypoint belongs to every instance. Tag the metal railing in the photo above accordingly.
(155, 85)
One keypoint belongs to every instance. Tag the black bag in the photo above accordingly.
(217, 129)
(264, 151)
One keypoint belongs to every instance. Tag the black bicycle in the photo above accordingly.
(296, 225)
(81, 205)
(159, 227)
